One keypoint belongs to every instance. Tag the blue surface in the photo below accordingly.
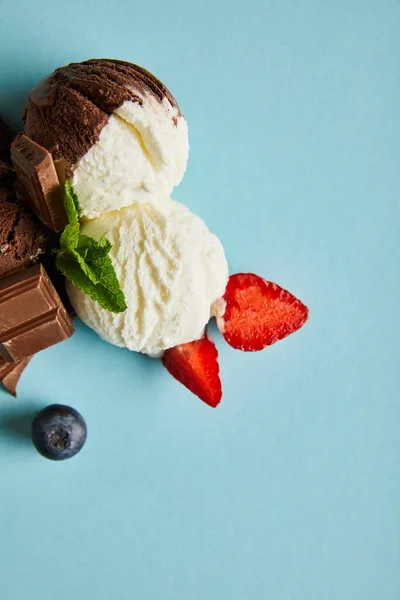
(290, 490)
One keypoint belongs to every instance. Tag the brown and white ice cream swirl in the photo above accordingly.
(120, 135)
(118, 129)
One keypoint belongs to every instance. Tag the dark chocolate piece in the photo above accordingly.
(67, 111)
(32, 316)
(38, 177)
(10, 373)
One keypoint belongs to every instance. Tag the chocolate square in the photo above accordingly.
(32, 316)
(39, 181)
(10, 373)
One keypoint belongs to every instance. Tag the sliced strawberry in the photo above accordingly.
(196, 366)
(255, 313)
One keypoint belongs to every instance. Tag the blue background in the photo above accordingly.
(290, 490)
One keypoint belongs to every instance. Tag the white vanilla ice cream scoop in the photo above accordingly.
(171, 270)
(141, 153)
(116, 132)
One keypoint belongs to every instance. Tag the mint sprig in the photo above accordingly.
(85, 261)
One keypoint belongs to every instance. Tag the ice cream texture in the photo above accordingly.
(23, 239)
(141, 154)
(111, 133)
(116, 130)
(123, 143)
(171, 269)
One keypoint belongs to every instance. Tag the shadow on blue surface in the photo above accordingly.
(12, 102)
(17, 425)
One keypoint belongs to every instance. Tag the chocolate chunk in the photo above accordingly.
(38, 177)
(67, 111)
(32, 316)
(10, 373)
(58, 280)
(5, 141)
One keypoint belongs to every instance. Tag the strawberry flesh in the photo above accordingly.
(255, 313)
(195, 365)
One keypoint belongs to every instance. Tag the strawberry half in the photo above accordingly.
(255, 313)
(195, 364)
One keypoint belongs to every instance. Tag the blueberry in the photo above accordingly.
(58, 432)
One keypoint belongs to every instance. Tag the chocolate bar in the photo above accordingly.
(39, 181)
(10, 373)
(32, 316)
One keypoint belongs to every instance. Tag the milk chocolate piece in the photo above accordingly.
(10, 373)
(58, 280)
(32, 316)
(38, 177)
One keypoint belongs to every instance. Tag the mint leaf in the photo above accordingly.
(105, 245)
(85, 267)
(88, 246)
(71, 204)
(70, 235)
(104, 270)
(94, 260)
(107, 299)
(73, 272)
(86, 262)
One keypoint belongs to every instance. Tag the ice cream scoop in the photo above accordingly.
(23, 239)
(125, 145)
(116, 128)
(171, 269)
(114, 131)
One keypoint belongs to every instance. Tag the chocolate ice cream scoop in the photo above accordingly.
(22, 237)
(68, 109)
(112, 128)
